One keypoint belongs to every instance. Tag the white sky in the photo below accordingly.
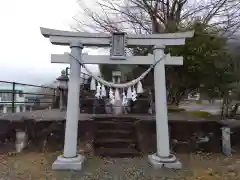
(24, 52)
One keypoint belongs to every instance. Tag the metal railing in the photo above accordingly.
(15, 96)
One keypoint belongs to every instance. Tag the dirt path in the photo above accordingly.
(37, 166)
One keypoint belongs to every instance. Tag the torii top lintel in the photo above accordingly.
(59, 37)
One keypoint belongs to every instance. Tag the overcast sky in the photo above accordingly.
(24, 52)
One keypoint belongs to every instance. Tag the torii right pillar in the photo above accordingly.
(162, 158)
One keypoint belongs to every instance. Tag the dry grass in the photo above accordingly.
(25, 166)
(214, 167)
(37, 166)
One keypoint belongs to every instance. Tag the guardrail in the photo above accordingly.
(20, 97)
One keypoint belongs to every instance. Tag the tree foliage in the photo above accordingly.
(206, 64)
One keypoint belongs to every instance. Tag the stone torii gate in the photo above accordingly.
(77, 40)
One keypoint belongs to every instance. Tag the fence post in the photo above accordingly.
(13, 97)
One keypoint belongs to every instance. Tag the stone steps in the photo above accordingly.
(116, 152)
(115, 133)
(114, 125)
(115, 138)
(115, 143)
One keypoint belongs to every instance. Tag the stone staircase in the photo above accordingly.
(115, 137)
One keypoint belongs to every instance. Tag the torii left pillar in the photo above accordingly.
(71, 160)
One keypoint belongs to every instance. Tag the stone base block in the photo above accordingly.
(21, 140)
(63, 163)
(170, 162)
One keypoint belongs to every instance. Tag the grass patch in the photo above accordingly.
(175, 109)
(202, 114)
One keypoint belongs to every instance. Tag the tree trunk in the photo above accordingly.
(225, 105)
(177, 101)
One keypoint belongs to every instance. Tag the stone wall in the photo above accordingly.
(184, 136)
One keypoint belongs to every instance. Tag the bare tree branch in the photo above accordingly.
(156, 16)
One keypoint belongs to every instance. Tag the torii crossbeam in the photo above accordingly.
(102, 59)
(118, 41)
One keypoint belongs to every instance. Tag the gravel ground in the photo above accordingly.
(37, 166)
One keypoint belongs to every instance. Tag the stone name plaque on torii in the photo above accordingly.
(118, 42)
(118, 45)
